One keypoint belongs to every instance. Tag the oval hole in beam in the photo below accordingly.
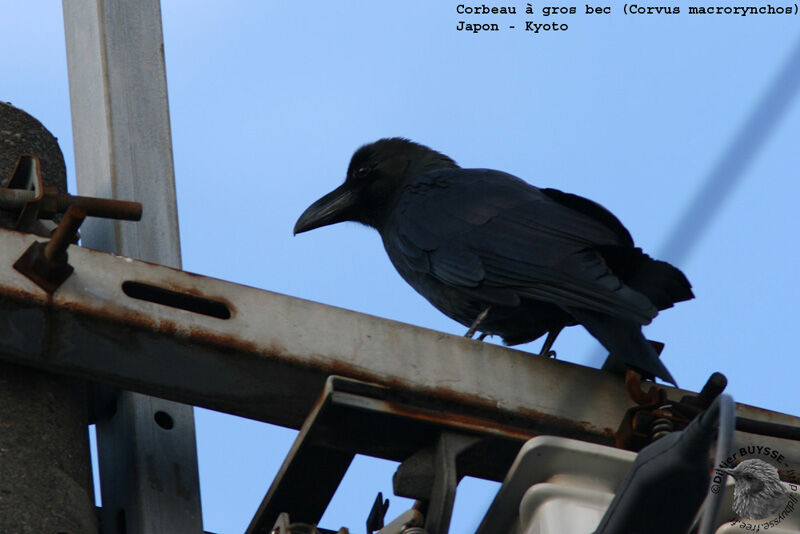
(174, 299)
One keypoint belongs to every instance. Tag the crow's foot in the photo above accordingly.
(477, 323)
(551, 337)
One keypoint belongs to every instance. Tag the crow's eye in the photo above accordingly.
(362, 172)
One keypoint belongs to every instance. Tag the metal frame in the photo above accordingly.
(270, 359)
(353, 417)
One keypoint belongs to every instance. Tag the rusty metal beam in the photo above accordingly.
(269, 359)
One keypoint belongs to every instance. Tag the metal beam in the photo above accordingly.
(123, 150)
(270, 358)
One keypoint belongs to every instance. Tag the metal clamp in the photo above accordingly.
(27, 195)
(431, 476)
(656, 416)
(46, 263)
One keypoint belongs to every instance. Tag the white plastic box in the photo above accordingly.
(564, 486)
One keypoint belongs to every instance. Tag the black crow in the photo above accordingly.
(502, 256)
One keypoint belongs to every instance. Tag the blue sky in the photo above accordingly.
(268, 100)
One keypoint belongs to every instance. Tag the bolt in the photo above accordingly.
(56, 248)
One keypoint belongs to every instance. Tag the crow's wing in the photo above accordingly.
(496, 237)
(592, 210)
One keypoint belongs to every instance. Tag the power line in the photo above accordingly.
(709, 199)
(729, 169)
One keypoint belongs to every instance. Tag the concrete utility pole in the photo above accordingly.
(45, 473)
(45, 469)
(123, 150)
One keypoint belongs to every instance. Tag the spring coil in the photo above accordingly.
(414, 530)
(661, 427)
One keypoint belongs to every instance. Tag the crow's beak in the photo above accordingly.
(334, 207)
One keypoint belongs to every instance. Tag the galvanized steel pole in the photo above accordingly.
(123, 150)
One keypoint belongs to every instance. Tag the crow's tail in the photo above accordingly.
(659, 281)
(625, 342)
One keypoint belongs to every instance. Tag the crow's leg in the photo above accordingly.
(551, 337)
(483, 335)
(478, 320)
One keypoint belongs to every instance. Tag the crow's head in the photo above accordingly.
(375, 176)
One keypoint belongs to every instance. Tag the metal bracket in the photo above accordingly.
(357, 417)
(443, 494)
(46, 263)
(656, 416)
(431, 475)
(24, 191)
(26, 194)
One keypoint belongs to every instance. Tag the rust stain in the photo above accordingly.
(473, 411)
(231, 343)
(114, 315)
(444, 399)
(39, 297)
(189, 290)
(528, 413)
(451, 418)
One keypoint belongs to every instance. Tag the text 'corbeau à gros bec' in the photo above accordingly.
(536, 19)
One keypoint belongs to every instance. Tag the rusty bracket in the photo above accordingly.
(633, 432)
(27, 195)
(655, 416)
(46, 262)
